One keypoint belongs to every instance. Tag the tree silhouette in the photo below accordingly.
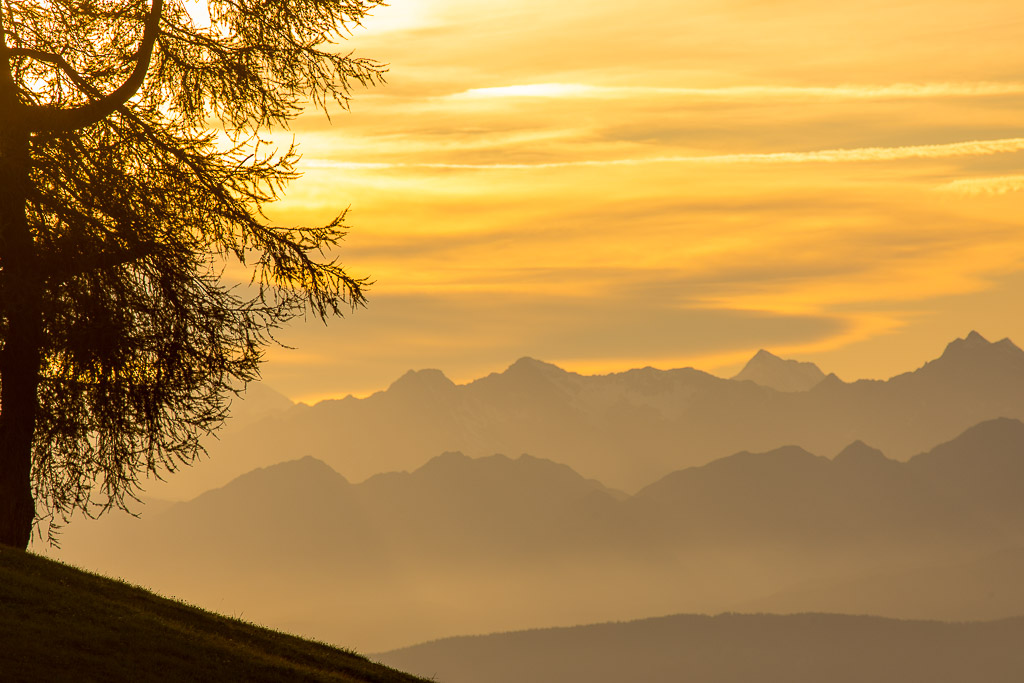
(132, 173)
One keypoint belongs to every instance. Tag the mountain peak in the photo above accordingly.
(306, 466)
(998, 434)
(972, 341)
(419, 380)
(769, 370)
(308, 474)
(527, 364)
(500, 476)
(859, 452)
(446, 459)
(528, 370)
(975, 347)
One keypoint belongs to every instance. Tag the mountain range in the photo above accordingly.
(467, 544)
(625, 429)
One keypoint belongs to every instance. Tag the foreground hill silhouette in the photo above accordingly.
(732, 648)
(627, 429)
(480, 544)
(61, 624)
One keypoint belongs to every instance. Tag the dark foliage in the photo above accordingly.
(136, 177)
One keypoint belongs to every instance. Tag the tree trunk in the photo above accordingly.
(21, 315)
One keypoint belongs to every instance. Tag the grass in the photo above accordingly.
(58, 623)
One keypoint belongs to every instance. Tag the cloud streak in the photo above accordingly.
(985, 186)
(753, 92)
(830, 156)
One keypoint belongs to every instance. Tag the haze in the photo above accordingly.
(641, 494)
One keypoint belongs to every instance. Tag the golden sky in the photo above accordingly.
(680, 183)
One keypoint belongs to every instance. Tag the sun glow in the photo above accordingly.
(199, 11)
(535, 90)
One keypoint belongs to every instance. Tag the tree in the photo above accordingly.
(132, 172)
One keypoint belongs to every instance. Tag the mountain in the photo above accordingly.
(769, 370)
(480, 544)
(624, 429)
(62, 624)
(256, 402)
(370, 564)
(731, 648)
(981, 469)
(789, 497)
(494, 505)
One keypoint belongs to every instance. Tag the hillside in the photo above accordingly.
(481, 544)
(732, 648)
(625, 429)
(61, 624)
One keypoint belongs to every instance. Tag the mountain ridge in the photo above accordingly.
(624, 429)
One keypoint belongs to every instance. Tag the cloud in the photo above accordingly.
(861, 154)
(985, 186)
(706, 43)
(757, 93)
(538, 177)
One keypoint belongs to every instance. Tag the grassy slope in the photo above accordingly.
(61, 624)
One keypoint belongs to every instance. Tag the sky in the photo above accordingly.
(676, 184)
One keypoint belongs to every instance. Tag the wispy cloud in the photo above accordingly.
(985, 186)
(859, 154)
(753, 92)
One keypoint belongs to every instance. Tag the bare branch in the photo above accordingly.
(8, 89)
(56, 120)
(59, 62)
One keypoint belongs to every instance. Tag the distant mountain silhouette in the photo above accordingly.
(257, 402)
(625, 429)
(769, 370)
(731, 648)
(981, 469)
(473, 544)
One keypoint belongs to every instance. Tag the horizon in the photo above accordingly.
(728, 372)
(469, 417)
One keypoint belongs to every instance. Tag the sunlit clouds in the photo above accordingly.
(969, 148)
(851, 92)
(983, 186)
(680, 184)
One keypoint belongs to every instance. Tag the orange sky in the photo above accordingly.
(678, 184)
